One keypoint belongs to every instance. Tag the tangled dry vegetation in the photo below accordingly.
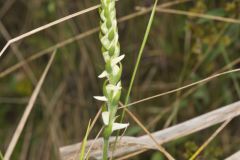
(186, 89)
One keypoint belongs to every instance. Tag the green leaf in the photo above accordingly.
(83, 146)
(139, 58)
(141, 50)
(1, 156)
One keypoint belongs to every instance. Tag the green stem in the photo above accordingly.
(105, 148)
(106, 135)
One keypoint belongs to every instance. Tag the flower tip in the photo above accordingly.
(100, 98)
(117, 59)
(103, 74)
(118, 126)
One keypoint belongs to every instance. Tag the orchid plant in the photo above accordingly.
(112, 73)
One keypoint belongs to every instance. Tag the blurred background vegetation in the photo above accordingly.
(180, 50)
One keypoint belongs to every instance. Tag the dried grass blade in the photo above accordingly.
(27, 111)
(47, 26)
(160, 148)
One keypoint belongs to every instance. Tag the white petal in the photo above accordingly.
(117, 88)
(103, 16)
(119, 84)
(115, 69)
(106, 56)
(113, 87)
(105, 117)
(101, 98)
(103, 74)
(105, 42)
(118, 126)
(117, 60)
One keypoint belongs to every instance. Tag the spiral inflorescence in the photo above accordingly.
(113, 68)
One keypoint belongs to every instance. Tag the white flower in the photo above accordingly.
(105, 117)
(114, 87)
(103, 74)
(101, 98)
(106, 56)
(116, 60)
(115, 69)
(105, 42)
(118, 126)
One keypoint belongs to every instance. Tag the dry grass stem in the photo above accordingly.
(27, 111)
(182, 88)
(47, 26)
(199, 15)
(129, 145)
(159, 147)
(132, 154)
(235, 156)
(204, 145)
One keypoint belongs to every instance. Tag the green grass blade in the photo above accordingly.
(1, 156)
(83, 146)
(140, 54)
(149, 25)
